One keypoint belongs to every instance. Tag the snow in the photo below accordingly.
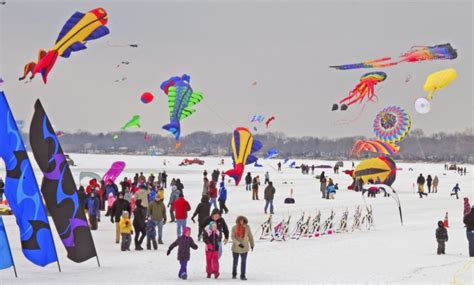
(389, 253)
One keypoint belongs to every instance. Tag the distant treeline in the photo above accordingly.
(456, 147)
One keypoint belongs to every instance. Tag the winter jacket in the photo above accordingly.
(212, 192)
(467, 206)
(469, 221)
(456, 189)
(420, 180)
(332, 189)
(125, 226)
(111, 188)
(255, 184)
(110, 200)
(151, 196)
(205, 187)
(222, 193)
(221, 224)
(269, 193)
(81, 193)
(150, 230)
(119, 206)
(157, 210)
(181, 208)
(125, 184)
(429, 180)
(435, 181)
(242, 245)
(174, 195)
(248, 179)
(441, 234)
(184, 244)
(93, 206)
(203, 210)
(139, 216)
(211, 239)
(142, 194)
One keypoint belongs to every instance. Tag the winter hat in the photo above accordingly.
(126, 213)
(210, 224)
(187, 231)
(440, 224)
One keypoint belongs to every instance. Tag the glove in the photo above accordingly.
(241, 245)
(168, 252)
(225, 241)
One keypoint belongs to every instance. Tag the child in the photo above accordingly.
(151, 235)
(110, 203)
(126, 230)
(211, 238)
(441, 237)
(455, 190)
(184, 243)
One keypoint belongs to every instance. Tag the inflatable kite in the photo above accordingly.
(257, 118)
(115, 169)
(365, 88)
(147, 97)
(267, 122)
(30, 66)
(374, 146)
(392, 124)
(78, 30)
(271, 153)
(416, 54)
(91, 175)
(380, 170)
(134, 122)
(243, 147)
(181, 99)
(435, 81)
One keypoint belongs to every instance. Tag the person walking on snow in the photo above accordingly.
(455, 191)
(139, 224)
(120, 206)
(211, 238)
(429, 180)
(157, 213)
(184, 244)
(173, 196)
(435, 184)
(255, 184)
(202, 211)
(125, 230)
(242, 242)
(421, 185)
(267, 178)
(181, 208)
(221, 227)
(441, 237)
(223, 198)
(269, 195)
(212, 193)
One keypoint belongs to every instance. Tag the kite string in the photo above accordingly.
(217, 115)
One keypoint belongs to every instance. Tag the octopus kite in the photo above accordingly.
(364, 89)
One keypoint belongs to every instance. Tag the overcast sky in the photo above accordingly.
(286, 46)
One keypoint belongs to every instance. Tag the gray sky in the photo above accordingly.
(286, 46)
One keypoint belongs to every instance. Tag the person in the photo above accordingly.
(248, 182)
(455, 191)
(211, 239)
(441, 237)
(180, 186)
(93, 209)
(142, 194)
(215, 175)
(467, 206)
(255, 184)
(202, 211)
(323, 184)
(151, 235)
(125, 230)
(81, 193)
(465, 171)
(312, 169)
(120, 205)
(223, 198)
(110, 204)
(124, 184)
(157, 213)
(469, 222)
(212, 193)
(110, 187)
(421, 185)
(269, 195)
(173, 196)
(267, 178)
(184, 243)
(242, 241)
(139, 224)
(205, 186)
(181, 208)
(429, 180)
(331, 189)
(164, 178)
(279, 166)
(2, 189)
(221, 227)
(435, 184)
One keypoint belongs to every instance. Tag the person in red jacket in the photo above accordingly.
(180, 207)
(212, 193)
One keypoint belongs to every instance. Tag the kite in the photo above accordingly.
(376, 169)
(392, 124)
(146, 137)
(123, 63)
(115, 137)
(146, 97)
(134, 122)
(78, 30)
(181, 99)
(1, 81)
(271, 153)
(59, 134)
(267, 122)
(435, 81)
(91, 175)
(374, 146)
(415, 54)
(114, 171)
(30, 66)
(363, 89)
(121, 45)
(257, 165)
(257, 118)
(120, 80)
(243, 147)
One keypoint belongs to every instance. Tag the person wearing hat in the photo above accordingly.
(221, 227)
(184, 244)
(120, 205)
(125, 230)
(142, 194)
(181, 208)
(211, 238)
(139, 224)
(441, 237)
(202, 211)
(242, 242)
(469, 222)
(157, 213)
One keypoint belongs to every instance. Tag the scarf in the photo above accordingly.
(240, 231)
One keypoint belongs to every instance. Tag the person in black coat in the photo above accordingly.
(81, 193)
(202, 211)
(248, 182)
(139, 224)
(120, 205)
(469, 222)
(2, 189)
(441, 237)
(221, 227)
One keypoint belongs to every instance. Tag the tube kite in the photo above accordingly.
(374, 146)
(77, 31)
(267, 122)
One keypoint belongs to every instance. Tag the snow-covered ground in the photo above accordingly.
(390, 253)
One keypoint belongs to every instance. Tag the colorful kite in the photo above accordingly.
(134, 122)
(77, 31)
(59, 134)
(115, 137)
(271, 153)
(374, 146)
(416, 54)
(363, 89)
(1, 81)
(181, 99)
(435, 81)
(114, 171)
(147, 97)
(392, 124)
(243, 147)
(257, 118)
(30, 66)
(267, 122)
(379, 170)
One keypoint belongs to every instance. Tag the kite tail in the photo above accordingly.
(236, 173)
(430, 95)
(174, 128)
(45, 65)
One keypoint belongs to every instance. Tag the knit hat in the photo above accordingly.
(211, 223)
